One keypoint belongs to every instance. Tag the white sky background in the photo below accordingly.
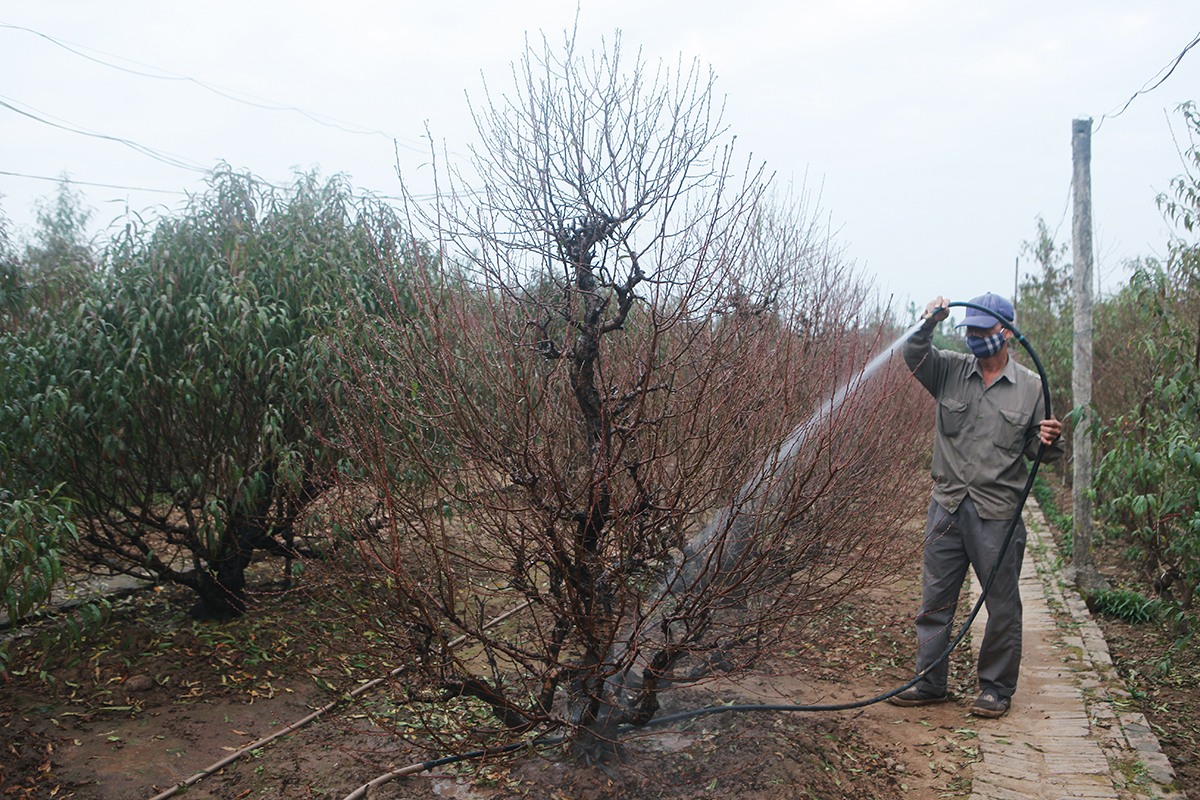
(934, 131)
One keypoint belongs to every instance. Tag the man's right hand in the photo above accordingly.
(937, 310)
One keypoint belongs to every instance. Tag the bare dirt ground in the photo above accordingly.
(1168, 694)
(155, 697)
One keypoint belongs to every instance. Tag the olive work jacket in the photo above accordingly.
(984, 433)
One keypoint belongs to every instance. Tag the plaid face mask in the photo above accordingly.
(986, 346)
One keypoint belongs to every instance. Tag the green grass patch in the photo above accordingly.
(1128, 605)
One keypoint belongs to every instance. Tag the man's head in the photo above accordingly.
(985, 335)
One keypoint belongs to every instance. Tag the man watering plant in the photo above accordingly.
(989, 420)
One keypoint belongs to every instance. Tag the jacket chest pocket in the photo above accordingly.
(952, 416)
(1010, 433)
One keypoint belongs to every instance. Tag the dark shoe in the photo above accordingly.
(915, 696)
(990, 705)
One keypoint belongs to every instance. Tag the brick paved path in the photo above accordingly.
(1072, 731)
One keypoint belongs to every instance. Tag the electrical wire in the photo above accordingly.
(73, 182)
(226, 93)
(1144, 90)
(162, 74)
(90, 183)
(157, 155)
(1147, 89)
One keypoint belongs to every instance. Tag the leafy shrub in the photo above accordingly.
(1148, 479)
(1127, 605)
(195, 379)
(33, 530)
(1044, 314)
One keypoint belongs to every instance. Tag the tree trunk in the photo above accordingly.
(222, 586)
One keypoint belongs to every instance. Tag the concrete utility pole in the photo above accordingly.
(1016, 280)
(1083, 568)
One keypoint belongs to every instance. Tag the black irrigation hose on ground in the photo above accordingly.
(413, 769)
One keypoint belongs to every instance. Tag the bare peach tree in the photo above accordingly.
(604, 450)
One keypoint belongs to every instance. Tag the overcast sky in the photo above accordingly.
(935, 131)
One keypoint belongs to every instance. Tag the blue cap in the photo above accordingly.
(981, 319)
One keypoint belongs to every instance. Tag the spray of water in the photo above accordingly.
(722, 532)
(716, 551)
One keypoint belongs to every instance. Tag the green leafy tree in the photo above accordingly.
(36, 290)
(10, 277)
(61, 245)
(198, 374)
(35, 523)
(1046, 313)
(1122, 375)
(56, 268)
(35, 528)
(1149, 477)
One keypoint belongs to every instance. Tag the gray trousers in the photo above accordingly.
(952, 541)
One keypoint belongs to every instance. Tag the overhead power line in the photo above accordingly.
(235, 95)
(157, 155)
(157, 73)
(1156, 81)
(74, 182)
(181, 162)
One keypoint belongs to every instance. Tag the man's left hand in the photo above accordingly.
(1049, 430)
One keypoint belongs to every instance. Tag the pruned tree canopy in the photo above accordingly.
(615, 407)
